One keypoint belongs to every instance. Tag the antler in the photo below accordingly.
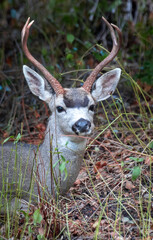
(116, 46)
(53, 81)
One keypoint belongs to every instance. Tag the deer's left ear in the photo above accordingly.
(106, 84)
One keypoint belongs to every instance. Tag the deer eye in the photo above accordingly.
(60, 109)
(92, 107)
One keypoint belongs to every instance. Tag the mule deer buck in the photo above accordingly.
(31, 168)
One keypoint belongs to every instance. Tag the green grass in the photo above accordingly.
(123, 143)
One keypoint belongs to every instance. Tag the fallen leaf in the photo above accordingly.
(98, 176)
(41, 231)
(115, 236)
(128, 139)
(41, 127)
(9, 61)
(129, 185)
(37, 115)
(108, 134)
(40, 136)
(5, 134)
(90, 62)
(77, 182)
(99, 165)
(95, 224)
(148, 160)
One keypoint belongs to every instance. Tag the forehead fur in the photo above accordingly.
(76, 97)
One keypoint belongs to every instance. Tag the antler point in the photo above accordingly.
(29, 25)
(116, 46)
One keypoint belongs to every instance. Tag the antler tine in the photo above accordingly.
(53, 81)
(116, 46)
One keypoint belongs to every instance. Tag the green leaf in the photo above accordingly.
(70, 37)
(122, 164)
(137, 159)
(88, 44)
(39, 237)
(151, 144)
(54, 165)
(26, 215)
(136, 173)
(63, 158)
(66, 174)
(7, 139)
(44, 52)
(69, 56)
(62, 166)
(37, 217)
(29, 229)
(17, 138)
(52, 4)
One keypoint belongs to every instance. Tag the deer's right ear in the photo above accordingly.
(36, 84)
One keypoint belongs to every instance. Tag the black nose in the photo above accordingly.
(81, 126)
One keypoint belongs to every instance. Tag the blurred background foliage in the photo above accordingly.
(64, 31)
(66, 38)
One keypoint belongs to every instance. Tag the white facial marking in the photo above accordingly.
(70, 115)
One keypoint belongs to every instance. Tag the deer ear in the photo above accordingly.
(36, 84)
(106, 84)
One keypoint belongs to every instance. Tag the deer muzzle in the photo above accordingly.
(81, 126)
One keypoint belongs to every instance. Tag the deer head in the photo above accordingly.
(74, 107)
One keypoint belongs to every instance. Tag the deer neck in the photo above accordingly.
(59, 144)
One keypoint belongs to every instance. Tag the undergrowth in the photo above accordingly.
(112, 197)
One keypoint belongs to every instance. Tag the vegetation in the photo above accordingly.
(112, 197)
